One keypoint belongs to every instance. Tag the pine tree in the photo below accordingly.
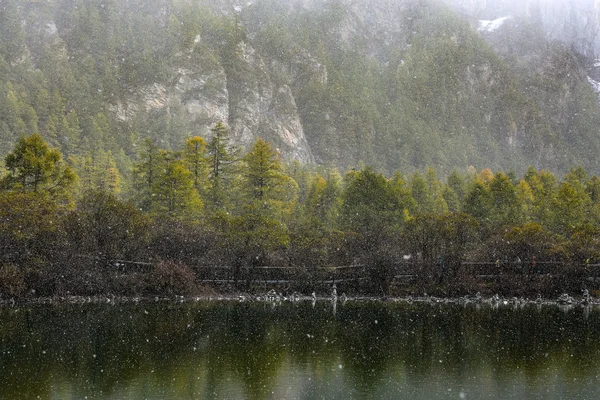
(109, 177)
(478, 202)
(221, 161)
(505, 206)
(419, 191)
(196, 162)
(324, 200)
(458, 184)
(371, 206)
(544, 186)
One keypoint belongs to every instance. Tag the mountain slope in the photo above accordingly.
(395, 84)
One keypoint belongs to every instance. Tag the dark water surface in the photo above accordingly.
(230, 350)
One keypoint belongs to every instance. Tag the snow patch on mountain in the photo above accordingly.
(595, 85)
(491, 25)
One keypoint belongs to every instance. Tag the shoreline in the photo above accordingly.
(275, 298)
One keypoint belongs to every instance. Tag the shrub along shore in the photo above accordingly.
(209, 219)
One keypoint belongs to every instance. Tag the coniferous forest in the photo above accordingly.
(208, 206)
(160, 147)
(398, 85)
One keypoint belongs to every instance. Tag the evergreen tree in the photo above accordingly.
(98, 172)
(436, 188)
(592, 188)
(260, 229)
(457, 183)
(107, 228)
(196, 162)
(428, 193)
(146, 173)
(402, 190)
(505, 206)
(526, 198)
(371, 206)
(543, 187)
(451, 199)
(478, 202)
(221, 159)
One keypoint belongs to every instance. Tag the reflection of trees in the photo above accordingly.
(197, 350)
(245, 344)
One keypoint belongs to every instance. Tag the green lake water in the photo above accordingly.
(359, 350)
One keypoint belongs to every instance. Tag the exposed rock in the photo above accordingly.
(253, 96)
(283, 124)
(258, 107)
(261, 109)
(205, 97)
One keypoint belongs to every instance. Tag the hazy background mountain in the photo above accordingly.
(397, 84)
(574, 22)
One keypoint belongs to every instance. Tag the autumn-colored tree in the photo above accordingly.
(174, 189)
(263, 172)
(30, 228)
(570, 208)
(35, 167)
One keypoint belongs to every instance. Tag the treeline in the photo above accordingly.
(209, 205)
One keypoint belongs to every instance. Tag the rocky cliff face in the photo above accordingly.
(265, 108)
(259, 108)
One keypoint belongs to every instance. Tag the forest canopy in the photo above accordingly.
(259, 211)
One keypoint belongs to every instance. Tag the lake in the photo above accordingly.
(256, 350)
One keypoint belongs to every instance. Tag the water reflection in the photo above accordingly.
(298, 351)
